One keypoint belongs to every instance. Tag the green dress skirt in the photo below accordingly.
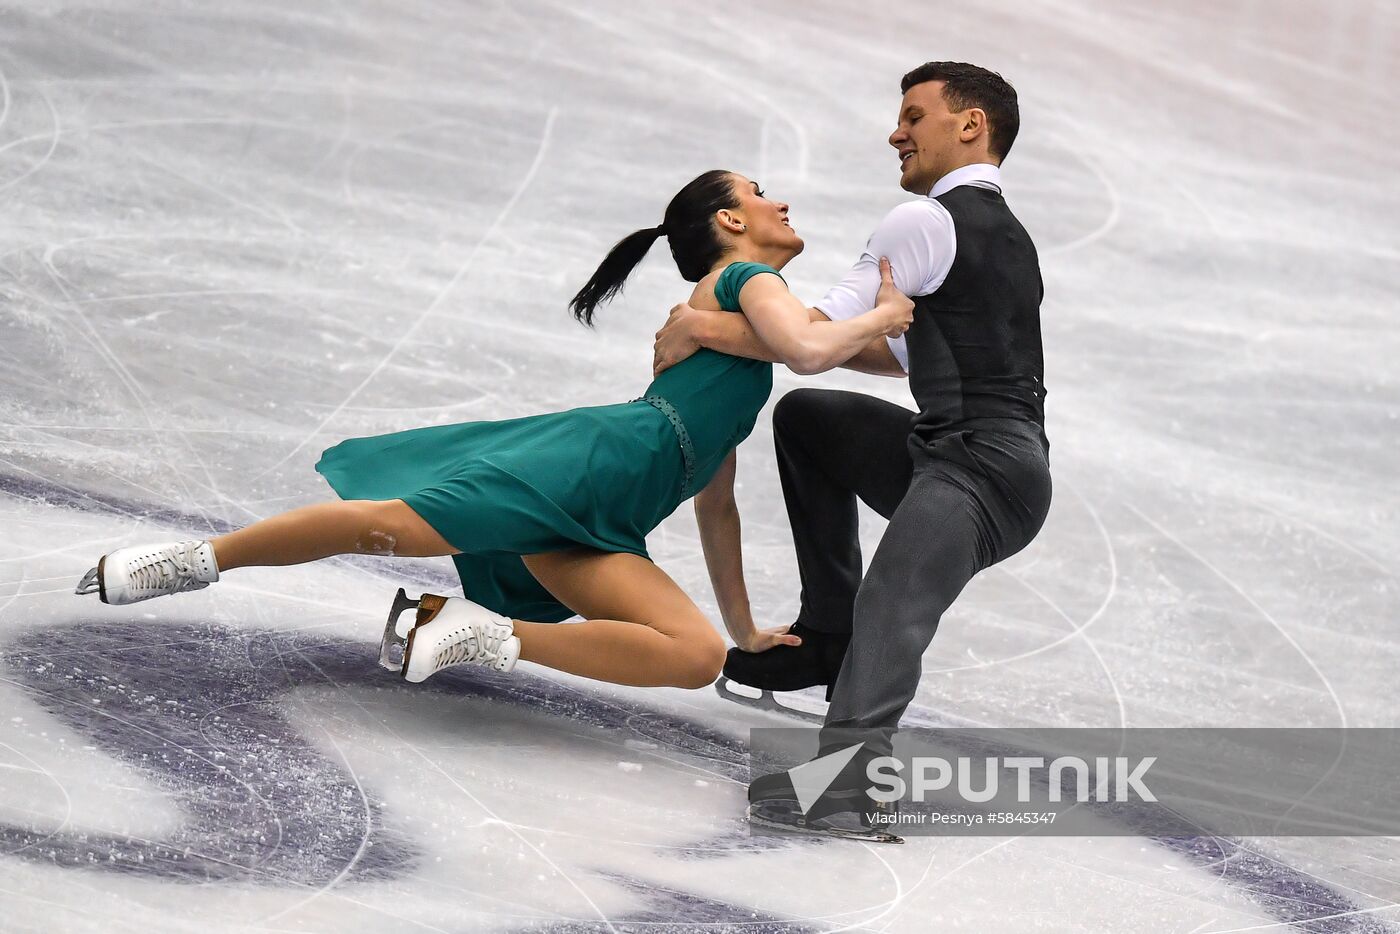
(598, 477)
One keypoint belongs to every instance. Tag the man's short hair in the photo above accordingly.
(969, 86)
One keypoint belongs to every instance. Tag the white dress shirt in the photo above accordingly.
(919, 239)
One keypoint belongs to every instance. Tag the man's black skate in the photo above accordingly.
(816, 662)
(848, 814)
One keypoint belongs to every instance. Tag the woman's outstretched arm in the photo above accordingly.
(785, 331)
(687, 329)
(807, 346)
(717, 515)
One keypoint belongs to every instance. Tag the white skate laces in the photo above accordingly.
(130, 575)
(459, 632)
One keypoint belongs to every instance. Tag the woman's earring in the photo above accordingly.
(743, 227)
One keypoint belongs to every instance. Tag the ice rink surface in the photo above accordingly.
(237, 232)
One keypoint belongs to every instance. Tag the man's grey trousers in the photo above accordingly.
(957, 504)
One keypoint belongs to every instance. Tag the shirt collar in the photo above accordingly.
(981, 174)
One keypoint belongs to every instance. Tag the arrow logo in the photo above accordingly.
(811, 779)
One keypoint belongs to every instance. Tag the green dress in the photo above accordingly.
(596, 477)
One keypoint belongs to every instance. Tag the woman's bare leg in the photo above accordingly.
(365, 527)
(640, 628)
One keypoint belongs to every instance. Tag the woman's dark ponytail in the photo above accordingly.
(688, 225)
(612, 273)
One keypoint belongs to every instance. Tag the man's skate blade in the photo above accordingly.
(764, 701)
(835, 833)
(394, 644)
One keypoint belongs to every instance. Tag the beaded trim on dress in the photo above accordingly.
(683, 436)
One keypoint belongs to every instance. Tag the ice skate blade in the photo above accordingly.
(93, 582)
(764, 701)
(88, 584)
(390, 659)
(866, 836)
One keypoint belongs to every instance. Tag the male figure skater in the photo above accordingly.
(964, 482)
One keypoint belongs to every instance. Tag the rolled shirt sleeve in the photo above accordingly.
(919, 239)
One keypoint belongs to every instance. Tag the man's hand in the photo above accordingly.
(677, 338)
(895, 307)
(761, 640)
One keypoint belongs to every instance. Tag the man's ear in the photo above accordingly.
(974, 124)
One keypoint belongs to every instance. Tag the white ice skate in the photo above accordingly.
(447, 631)
(130, 575)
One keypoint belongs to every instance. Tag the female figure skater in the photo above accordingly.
(546, 516)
